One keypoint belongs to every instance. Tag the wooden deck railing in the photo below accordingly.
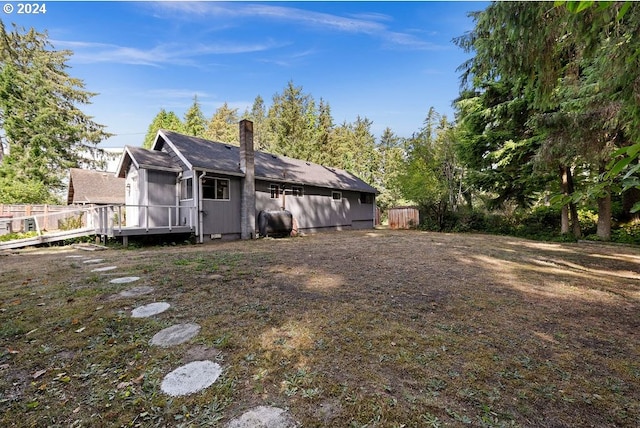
(104, 220)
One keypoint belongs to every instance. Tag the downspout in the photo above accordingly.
(199, 208)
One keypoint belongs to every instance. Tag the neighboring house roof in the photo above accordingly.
(94, 187)
(205, 155)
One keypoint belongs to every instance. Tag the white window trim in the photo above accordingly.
(183, 182)
(215, 186)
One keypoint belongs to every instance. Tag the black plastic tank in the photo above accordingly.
(275, 223)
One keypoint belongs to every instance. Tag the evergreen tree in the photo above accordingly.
(363, 152)
(324, 153)
(223, 125)
(194, 121)
(163, 120)
(292, 121)
(391, 157)
(258, 115)
(45, 132)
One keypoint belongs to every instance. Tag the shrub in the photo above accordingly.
(588, 221)
(628, 233)
(71, 223)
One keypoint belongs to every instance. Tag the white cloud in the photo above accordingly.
(159, 55)
(364, 23)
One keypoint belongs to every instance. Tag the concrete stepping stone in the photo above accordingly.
(104, 269)
(136, 291)
(175, 335)
(150, 310)
(264, 417)
(91, 261)
(124, 280)
(190, 378)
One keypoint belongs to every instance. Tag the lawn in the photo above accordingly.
(349, 329)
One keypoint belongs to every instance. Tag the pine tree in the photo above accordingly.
(223, 125)
(292, 121)
(262, 138)
(44, 129)
(194, 121)
(391, 157)
(163, 120)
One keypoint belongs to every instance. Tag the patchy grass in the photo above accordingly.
(349, 329)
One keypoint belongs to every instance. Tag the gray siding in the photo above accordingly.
(316, 209)
(161, 193)
(222, 216)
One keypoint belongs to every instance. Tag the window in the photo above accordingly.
(297, 191)
(275, 191)
(366, 198)
(215, 188)
(336, 196)
(222, 189)
(186, 188)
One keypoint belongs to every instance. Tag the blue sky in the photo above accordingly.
(386, 61)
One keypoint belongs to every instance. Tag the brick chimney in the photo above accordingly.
(247, 166)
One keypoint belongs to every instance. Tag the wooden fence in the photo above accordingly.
(12, 216)
(403, 218)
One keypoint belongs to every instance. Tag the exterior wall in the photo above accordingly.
(133, 184)
(145, 190)
(186, 216)
(362, 214)
(316, 209)
(222, 217)
(161, 194)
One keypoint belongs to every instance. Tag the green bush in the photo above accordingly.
(17, 235)
(540, 223)
(71, 223)
(628, 233)
(588, 221)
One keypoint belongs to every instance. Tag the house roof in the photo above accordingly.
(147, 159)
(205, 155)
(94, 187)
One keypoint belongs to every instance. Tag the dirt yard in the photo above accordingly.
(346, 329)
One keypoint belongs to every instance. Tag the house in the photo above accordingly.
(218, 190)
(94, 187)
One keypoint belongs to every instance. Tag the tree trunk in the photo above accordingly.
(566, 180)
(604, 218)
(604, 214)
(564, 220)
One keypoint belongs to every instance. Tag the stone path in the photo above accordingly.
(196, 375)
(150, 309)
(175, 335)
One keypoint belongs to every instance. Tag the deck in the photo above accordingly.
(101, 221)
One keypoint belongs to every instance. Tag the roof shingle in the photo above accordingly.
(219, 157)
(95, 187)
